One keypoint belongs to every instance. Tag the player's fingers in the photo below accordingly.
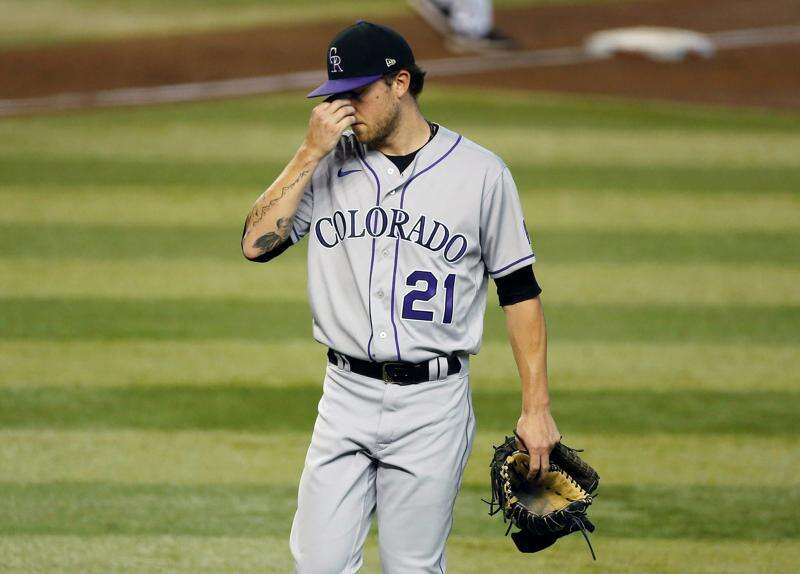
(319, 108)
(533, 469)
(545, 465)
(323, 113)
(346, 122)
(520, 444)
(335, 105)
(343, 112)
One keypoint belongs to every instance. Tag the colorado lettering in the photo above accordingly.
(430, 234)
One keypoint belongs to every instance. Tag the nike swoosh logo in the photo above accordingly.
(341, 173)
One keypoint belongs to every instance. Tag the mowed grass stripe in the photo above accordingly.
(116, 554)
(619, 555)
(521, 145)
(641, 511)
(108, 319)
(285, 278)
(452, 105)
(146, 456)
(555, 209)
(731, 367)
(34, 171)
(748, 283)
(602, 283)
(630, 511)
(509, 107)
(113, 242)
(518, 145)
(465, 554)
(567, 209)
(242, 127)
(266, 409)
(594, 365)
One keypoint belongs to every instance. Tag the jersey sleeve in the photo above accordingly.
(505, 243)
(302, 217)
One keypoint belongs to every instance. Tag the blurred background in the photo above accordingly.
(158, 391)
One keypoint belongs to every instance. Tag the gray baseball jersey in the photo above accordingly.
(398, 263)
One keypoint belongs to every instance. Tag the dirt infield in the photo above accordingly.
(762, 76)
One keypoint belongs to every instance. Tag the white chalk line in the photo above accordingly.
(731, 39)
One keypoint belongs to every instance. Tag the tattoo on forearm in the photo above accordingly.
(260, 210)
(271, 240)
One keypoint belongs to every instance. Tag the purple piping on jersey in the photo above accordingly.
(397, 241)
(512, 264)
(372, 257)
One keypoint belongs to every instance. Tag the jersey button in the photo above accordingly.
(382, 334)
(390, 171)
(380, 294)
(385, 253)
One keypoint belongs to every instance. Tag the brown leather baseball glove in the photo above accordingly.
(546, 511)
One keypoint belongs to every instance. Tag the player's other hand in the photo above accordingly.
(537, 433)
(328, 121)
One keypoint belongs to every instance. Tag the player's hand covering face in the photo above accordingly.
(325, 126)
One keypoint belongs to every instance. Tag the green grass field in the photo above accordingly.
(37, 22)
(158, 391)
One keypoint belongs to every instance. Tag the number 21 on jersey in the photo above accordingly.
(426, 292)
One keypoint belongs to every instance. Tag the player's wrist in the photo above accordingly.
(310, 153)
(535, 406)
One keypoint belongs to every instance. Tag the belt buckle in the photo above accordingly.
(386, 375)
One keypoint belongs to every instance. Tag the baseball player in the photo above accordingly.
(406, 221)
(467, 25)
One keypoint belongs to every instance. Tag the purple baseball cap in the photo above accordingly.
(362, 54)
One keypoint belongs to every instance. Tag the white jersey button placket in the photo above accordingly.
(381, 301)
(383, 272)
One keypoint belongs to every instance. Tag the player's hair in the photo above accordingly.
(417, 79)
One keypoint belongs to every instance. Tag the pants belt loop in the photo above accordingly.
(433, 369)
(342, 362)
(437, 368)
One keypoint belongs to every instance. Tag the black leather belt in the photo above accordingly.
(398, 372)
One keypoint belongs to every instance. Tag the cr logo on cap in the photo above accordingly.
(335, 60)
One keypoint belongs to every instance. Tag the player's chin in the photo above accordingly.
(361, 131)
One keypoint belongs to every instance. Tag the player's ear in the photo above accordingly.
(400, 83)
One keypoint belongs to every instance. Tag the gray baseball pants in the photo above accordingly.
(395, 450)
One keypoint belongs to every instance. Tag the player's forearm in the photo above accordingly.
(528, 338)
(270, 220)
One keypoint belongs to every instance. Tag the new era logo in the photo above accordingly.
(390, 62)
